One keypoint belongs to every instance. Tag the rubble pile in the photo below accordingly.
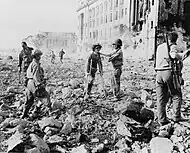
(98, 125)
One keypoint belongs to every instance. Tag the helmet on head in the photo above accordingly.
(118, 42)
(37, 52)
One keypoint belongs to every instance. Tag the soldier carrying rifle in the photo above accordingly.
(168, 78)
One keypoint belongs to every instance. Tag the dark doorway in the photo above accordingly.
(187, 16)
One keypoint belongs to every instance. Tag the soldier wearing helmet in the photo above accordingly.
(35, 83)
(93, 61)
(25, 58)
(117, 61)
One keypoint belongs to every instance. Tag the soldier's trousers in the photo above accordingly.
(164, 90)
(30, 95)
(90, 81)
(116, 80)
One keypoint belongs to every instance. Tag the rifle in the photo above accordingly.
(173, 64)
(155, 46)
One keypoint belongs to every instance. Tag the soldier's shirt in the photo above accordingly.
(162, 56)
(35, 72)
(25, 56)
(117, 58)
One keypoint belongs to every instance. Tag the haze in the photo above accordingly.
(20, 18)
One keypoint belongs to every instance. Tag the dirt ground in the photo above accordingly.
(97, 125)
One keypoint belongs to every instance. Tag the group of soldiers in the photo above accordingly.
(35, 82)
(169, 63)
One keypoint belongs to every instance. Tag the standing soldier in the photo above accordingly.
(61, 53)
(91, 68)
(25, 58)
(35, 83)
(117, 61)
(52, 57)
(168, 78)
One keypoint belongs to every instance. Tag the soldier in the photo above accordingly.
(168, 78)
(52, 57)
(35, 83)
(91, 68)
(117, 61)
(25, 58)
(61, 53)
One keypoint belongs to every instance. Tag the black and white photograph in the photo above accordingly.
(94, 76)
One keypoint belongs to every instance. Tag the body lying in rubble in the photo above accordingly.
(91, 68)
(35, 83)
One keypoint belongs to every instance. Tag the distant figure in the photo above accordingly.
(61, 53)
(25, 58)
(52, 57)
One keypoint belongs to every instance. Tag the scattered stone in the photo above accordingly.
(98, 148)
(39, 143)
(145, 96)
(51, 122)
(56, 105)
(15, 141)
(74, 84)
(1, 119)
(121, 144)
(122, 129)
(145, 150)
(67, 128)
(11, 89)
(161, 145)
(6, 122)
(80, 149)
(66, 93)
(33, 150)
(5, 107)
(51, 130)
(55, 139)
(60, 149)
(95, 140)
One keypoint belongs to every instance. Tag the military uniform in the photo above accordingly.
(35, 86)
(61, 53)
(25, 58)
(165, 87)
(117, 62)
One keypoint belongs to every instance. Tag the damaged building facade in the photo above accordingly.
(60, 40)
(98, 20)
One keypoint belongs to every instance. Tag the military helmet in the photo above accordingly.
(117, 42)
(37, 52)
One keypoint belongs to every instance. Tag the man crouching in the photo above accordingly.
(35, 83)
